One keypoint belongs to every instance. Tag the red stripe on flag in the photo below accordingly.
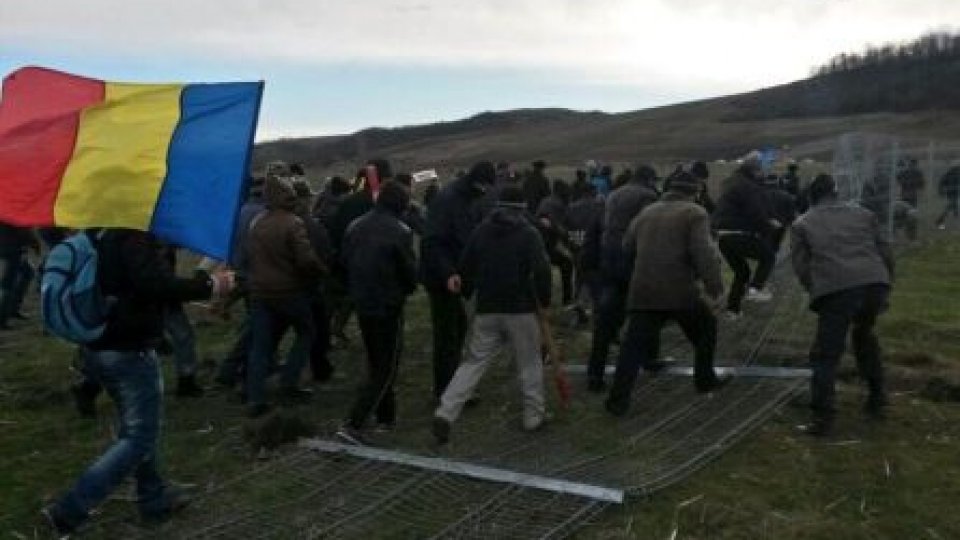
(39, 117)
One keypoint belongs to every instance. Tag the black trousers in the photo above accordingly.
(854, 311)
(737, 249)
(381, 337)
(565, 264)
(642, 346)
(609, 311)
(449, 319)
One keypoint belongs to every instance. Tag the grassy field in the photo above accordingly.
(899, 479)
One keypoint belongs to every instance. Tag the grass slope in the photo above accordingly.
(895, 480)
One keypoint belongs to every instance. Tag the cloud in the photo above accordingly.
(698, 45)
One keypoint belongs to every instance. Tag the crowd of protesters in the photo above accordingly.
(636, 250)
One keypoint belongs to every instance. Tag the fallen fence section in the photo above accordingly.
(479, 472)
(770, 372)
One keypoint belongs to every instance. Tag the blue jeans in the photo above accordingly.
(133, 381)
(266, 315)
(17, 275)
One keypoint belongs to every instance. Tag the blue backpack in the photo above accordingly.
(71, 303)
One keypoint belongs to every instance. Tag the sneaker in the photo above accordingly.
(187, 387)
(718, 383)
(441, 430)
(758, 295)
(350, 435)
(20, 316)
(942, 226)
(732, 316)
(55, 523)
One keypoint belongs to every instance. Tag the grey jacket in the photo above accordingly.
(839, 246)
(624, 204)
(674, 254)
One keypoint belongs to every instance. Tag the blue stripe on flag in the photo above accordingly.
(206, 166)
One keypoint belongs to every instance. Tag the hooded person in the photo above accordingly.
(504, 264)
(745, 223)
(536, 186)
(676, 259)
(452, 216)
(352, 207)
(842, 257)
(701, 173)
(284, 273)
(622, 206)
(381, 273)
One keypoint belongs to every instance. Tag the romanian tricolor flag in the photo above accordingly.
(166, 158)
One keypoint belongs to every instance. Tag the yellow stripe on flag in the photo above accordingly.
(120, 158)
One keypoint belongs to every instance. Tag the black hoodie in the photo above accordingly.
(506, 263)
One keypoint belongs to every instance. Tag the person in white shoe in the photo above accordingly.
(744, 223)
(505, 264)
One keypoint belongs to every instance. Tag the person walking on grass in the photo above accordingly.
(624, 204)
(505, 264)
(675, 264)
(381, 273)
(124, 361)
(453, 214)
(745, 224)
(284, 273)
(843, 259)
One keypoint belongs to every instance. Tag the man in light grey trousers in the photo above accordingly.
(506, 264)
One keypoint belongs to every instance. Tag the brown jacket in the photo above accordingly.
(282, 261)
(673, 254)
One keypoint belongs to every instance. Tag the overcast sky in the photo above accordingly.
(335, 66)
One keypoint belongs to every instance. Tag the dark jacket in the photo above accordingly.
(15, 240)
(132, 270)
(838, 246)
(452, 216)
(536, 187)
(350, 208)
(674, 253)
(624, 204)
(282, 261)
(911, 182)
(743, 207)
(506, 264)
(380, 262)
(554, 210)
(949, 185)
(582, 215)
(782, 205)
